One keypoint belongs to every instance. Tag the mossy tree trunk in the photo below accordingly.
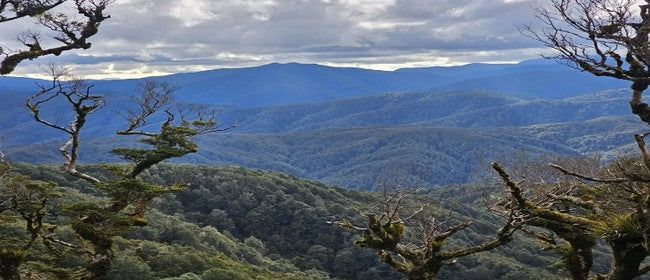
(578, 233)
(576, 253)
(628, 254)
(99, 247)
(425, 272)
(424, 261)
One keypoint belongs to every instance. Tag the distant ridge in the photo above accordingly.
(346, 125)
(458, 108)
(350, 141)
(293, 83)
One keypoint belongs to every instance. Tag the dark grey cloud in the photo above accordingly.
(88, 59)
(463, 24)
(166, 36)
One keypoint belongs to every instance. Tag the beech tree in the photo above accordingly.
(570, 210)
(67, 30)
(28, 201)
(21, 197)
(420, 255)
(605, 38)
(128, 196)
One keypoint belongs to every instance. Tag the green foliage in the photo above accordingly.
(172, 141)
(186, 276)
(627, 223)
(24, 204)
(138, 188)
(180, 248)
(289, 216)
(96, 224)
(277, 229)
(129, 267)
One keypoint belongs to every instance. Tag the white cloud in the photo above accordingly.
(228, 56)
(192, 12)
(183, 35)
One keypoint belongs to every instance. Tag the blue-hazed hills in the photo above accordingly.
(293, 83)
(441, 133)
(457, 108)
(444, 135)
(348, 125)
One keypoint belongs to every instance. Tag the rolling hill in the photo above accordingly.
(293, 83)
(444, 134)
(237, 222)
(356, 157)
(434, 108)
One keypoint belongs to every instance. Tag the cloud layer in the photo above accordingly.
(149, 37)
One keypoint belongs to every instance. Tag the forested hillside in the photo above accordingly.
(350, 142)
(239, 223)
(275, 170)
(466, 108)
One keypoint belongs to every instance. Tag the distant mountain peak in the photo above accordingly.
(294, 83)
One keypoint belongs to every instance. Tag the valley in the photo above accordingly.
(440, 135)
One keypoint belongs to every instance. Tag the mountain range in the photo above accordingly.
(437, 126)
(443, 136)
(325, 123)
(293, 83)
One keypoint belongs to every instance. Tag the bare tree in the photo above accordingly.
(129, 196)
(570, 210)
(603, 37)
(82, 103)
(69, 31)
(420, 257)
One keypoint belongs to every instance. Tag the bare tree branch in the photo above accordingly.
(70, 34)
(424, 261)
(15, 9)
(604, 38)
(584, 177)
(82, 102)
(152, 97)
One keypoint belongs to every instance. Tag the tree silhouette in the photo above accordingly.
(68, 31)
(95, 224)
(610, 203)
(419, 258)
(602, 37)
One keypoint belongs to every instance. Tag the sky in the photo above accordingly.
(158, 37)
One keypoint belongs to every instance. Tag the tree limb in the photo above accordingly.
(577, 175)
(71, 34)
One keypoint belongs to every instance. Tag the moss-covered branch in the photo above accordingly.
(423, 261)
(71, 34)
(616, 211)
(95, 225)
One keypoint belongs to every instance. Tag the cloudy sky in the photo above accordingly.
(155, 37)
